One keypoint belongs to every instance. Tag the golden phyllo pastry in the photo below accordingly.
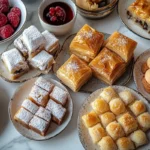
(87, 43)
(90, 119)
(125, 143)
(100, 106)
(97, 132)
(128, 123)
(115, 130)
(107, 143)
(121, 45)
(139, 138)
(108, 94)
(108, 66)
(74, 73)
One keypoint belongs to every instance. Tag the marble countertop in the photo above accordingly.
(10, 139)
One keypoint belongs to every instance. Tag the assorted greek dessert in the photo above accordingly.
(91, 54)
(117, 120)
(139, 12)
(33, 49)
(45, 103)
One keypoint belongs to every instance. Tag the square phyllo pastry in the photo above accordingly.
(108, 66)
(121, 45)
(74, 73)
(87, 43)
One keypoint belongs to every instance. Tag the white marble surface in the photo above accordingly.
(10, 139)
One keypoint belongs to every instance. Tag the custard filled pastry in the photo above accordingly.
(87, 43)
(108, 66)
(74, 73)
(121, 45)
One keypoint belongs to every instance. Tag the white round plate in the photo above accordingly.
(21, 93)
(86, 107)
(138, 75)
(131, 25)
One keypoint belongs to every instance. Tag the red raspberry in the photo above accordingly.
(13, 19)
(3, 20)
(6, 2)
(4, 8)
(16, 10)
(6, 31)
(52, 11)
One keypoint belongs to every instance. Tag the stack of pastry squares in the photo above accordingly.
(117, 121)
(91, 55)
(33, 49)
(46, 103)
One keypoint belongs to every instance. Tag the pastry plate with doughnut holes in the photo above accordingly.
(83, 133)
(21, 94)
(138, 75)
(94, 83)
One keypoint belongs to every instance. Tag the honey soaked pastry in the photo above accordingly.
(97, 132)
(121, 45)
(117, 106)
(90, 119)
(107, 66)
(139, 11)
(138, 107)
(100, 106)
(128, 123)
(125, 143)
(144, 67)
(127, 97)
(74, 73)
(115, 130)
(107, 118)
(107, 143)
(108, 94)
(139, 138)
(144, 121)
(87, 43)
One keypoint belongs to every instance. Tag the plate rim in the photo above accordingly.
(11, 118)
(118, 7)
(88, 98)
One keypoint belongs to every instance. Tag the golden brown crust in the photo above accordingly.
(144, 68)
(146, 85)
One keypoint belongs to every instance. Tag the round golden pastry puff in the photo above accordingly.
(127, 97)
(138, 107)
(117, 106)
(125, 143)
(139, 138)
(108, 94)
(100, 106)
(128, 123)
(107, 143)
(115, 130)
(97, 132)
(144, 121)
(107, 118)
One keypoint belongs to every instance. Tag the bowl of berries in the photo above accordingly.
(12, 19)
(57, 16)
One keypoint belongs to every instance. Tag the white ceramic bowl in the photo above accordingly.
(60, 29)
(19, 4)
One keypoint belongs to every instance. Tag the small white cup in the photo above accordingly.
(59, 29)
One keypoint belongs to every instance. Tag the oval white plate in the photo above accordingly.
(138, 75)
(82, 130)
(21, 93)
(131, 25)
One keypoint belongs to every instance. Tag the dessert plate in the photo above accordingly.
(4, 73)
(138, 75)
(85, 108)
(16, 101)
(93, 84)
(130, 24)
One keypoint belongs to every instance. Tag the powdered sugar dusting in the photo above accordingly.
(24, 115)
(73, 66)
(38, 123)
(122, 40)
(30, 106)
(56, 109)
(44, 114)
